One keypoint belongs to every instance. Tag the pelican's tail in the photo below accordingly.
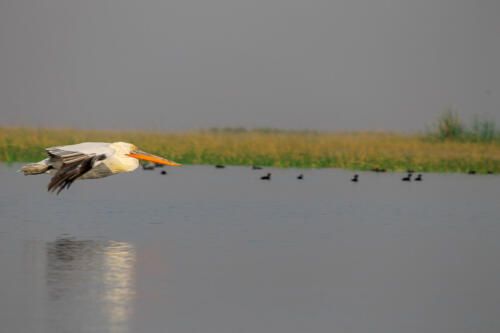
(35, 168)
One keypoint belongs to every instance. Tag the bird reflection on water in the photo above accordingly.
(93, 281)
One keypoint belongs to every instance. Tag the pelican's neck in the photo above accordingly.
(119, 162)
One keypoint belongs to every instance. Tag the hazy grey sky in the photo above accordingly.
(182, 64)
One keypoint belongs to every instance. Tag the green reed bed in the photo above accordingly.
(268, 147)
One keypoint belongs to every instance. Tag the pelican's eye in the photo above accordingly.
(132, 147)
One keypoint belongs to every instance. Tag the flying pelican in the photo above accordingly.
(89, 160)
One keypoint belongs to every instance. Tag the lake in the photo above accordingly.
(219, 250)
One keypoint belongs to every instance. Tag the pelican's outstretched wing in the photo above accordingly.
(69, 172)
(73, 153)
(65, 156)
(74, 161)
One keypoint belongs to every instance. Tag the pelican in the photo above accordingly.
(89, 160)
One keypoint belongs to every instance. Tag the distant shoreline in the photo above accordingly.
(277, 148)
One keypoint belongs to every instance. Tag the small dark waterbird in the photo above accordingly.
(419, 178)
(255, 167)
(266, 177)
(301, 176)
(407, 178)
(220, 166)
(472, 172)
(148, 166)
(163, 172)
(355, 178)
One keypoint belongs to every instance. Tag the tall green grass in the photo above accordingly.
(269, 147)
(483, 130)
(449, 126)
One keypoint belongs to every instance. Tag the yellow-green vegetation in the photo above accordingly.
(302, 149)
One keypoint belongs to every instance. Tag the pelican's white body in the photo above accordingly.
(89, 160)
(116, 160)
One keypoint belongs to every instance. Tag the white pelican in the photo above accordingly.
(89, 160)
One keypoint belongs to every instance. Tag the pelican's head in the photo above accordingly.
(130, 150)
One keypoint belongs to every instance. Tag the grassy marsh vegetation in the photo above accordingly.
(269, 147)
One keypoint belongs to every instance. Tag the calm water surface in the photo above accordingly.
(218, 250)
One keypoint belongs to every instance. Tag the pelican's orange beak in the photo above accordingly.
(142, 155)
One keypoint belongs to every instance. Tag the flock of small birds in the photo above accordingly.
(408, 178)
